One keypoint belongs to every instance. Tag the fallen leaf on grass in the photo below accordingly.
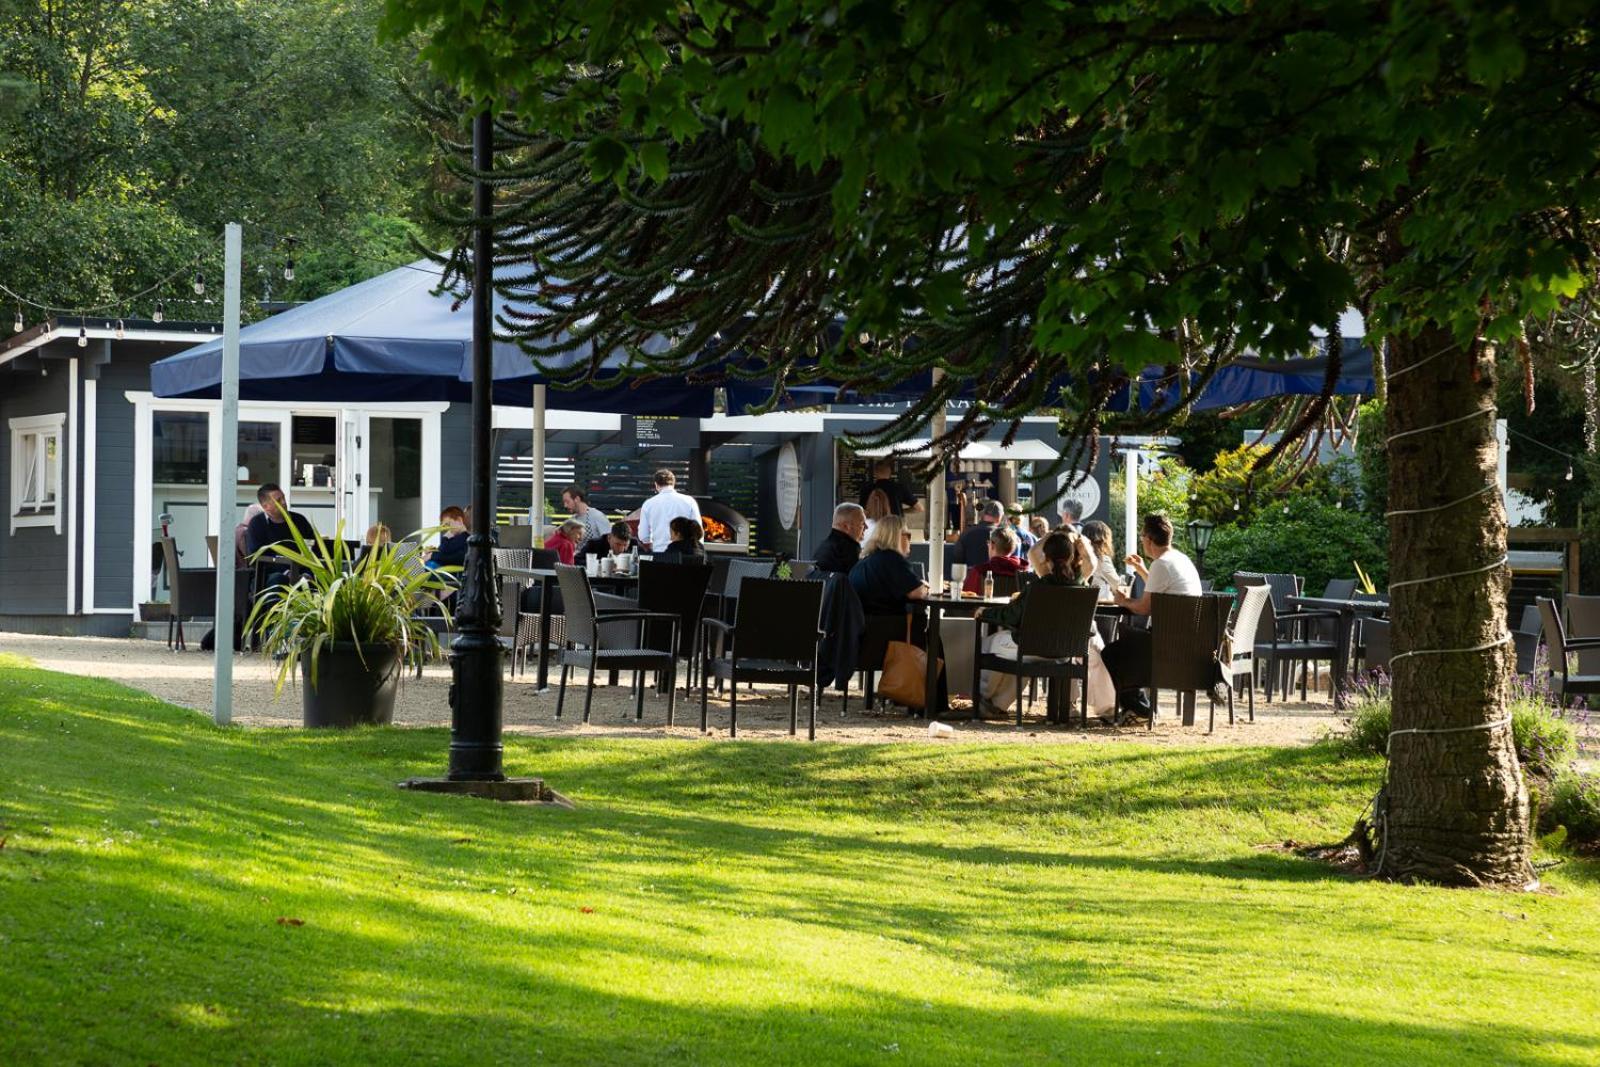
(587, 910)
(284, 920)
(461, 840)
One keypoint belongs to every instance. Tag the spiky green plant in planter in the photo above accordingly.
(349, 622)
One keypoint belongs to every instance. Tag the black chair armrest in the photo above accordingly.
(1318, 614)
(1578, 644)
(636, 616)
(716, 624)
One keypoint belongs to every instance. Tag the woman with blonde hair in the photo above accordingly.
(877, 507)
(1105, 577)
(884, 580)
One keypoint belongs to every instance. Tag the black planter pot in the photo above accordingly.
(351, 689)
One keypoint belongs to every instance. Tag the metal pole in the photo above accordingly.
(536, 501)
(1130, 518)
(228, 475)
(936, 502)
(476, 696)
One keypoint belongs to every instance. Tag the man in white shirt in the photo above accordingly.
(1169, 571)
(657, 513)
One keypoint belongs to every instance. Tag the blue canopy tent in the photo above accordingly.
(1242, 381)
(390, 338)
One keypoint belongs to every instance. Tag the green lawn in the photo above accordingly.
(717, 903)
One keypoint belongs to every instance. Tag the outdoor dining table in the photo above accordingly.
(1348, 611)
(938, 604)
(546, 577)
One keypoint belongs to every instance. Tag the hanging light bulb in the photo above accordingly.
(1338, 505)
(1569, 472)
(1236, 504)
(121, 333)
(199, 285)
(44, 372)
(16, 326)
(160, 312)
(83, 335)
(288, 269)
(864, 337)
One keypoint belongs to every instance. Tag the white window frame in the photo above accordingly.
(43, 427)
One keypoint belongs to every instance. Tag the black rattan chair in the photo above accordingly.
(1186, 638)
(1558, 647)
(1053, 643)
(773, 639)
(676, 590)
(592, 640)
(1284, 646)
(1583, 623)
(1526, 639)
(194, 593)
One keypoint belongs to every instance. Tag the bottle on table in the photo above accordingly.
(988, 585)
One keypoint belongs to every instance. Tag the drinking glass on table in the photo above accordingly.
(958, 575)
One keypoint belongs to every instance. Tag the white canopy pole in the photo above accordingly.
(1130, 519)
(536, 501)
(936, 503)
(228, 474)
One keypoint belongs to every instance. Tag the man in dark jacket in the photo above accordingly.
(972, 549)
(840, 550)
(619, 540)
(271, 527)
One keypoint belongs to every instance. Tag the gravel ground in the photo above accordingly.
(184, 678)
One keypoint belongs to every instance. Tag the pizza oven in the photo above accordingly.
(727, 531)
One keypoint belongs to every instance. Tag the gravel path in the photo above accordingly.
(184, 678)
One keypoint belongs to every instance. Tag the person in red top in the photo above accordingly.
(1002, 543)
(566, 541)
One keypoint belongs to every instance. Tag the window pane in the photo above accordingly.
(179, 444)
(259, 453)
(52, 471)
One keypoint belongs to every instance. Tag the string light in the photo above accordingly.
(121, 333)
(16, 326)
(288, 269)
(83, 335)
(199, 285)
(1569, 472)
(160, 312)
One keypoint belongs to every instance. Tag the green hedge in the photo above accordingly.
(1305, 537)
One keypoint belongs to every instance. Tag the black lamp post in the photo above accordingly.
(1200, 540)
(477, 688)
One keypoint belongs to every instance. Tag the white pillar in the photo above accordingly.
(936, 503)
(222, 676)
(536, 501)
(1130, 520)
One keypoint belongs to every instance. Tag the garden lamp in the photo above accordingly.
(1200, 540)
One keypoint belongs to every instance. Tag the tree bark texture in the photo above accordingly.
(1455, 810)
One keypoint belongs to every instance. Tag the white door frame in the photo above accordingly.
(146, 404)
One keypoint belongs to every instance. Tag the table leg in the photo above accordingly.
(935, 709)
(546, 591)
(1341, 657)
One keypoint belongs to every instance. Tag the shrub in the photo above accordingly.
(1372, 457)
(1546, 742)
(1220, 493)
(1371, 716)
(1303, 536)
(1574, 804)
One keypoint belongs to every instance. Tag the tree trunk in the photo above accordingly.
(1455, 810)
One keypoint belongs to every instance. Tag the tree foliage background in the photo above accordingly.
(132, 130)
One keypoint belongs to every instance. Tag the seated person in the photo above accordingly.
(270, 528)
(241, 533)
(884, 580)
(685, 546)
(1170, 571)
(567, 541)
(378, 534)
(452, 550)
(972, 547)
(619, 540)
(1062, 558)
(1002, 560)
(841, 549)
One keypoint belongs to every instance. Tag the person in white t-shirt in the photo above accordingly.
(657, 513)
(1169, 571)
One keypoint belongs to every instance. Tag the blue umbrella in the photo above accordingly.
(389, 339)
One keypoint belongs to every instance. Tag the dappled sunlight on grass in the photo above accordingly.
(171, 891)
